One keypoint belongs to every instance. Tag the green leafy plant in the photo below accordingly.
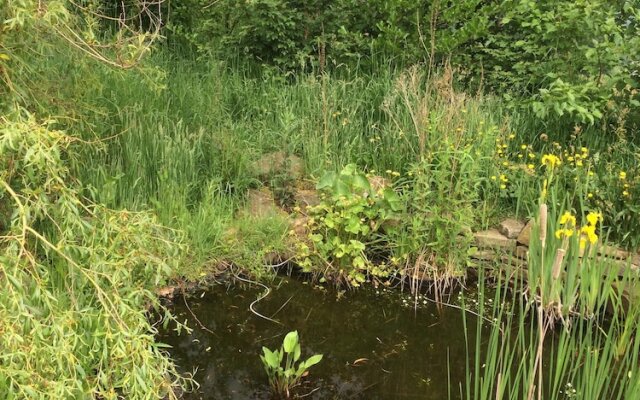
(282, 377)
(344, 230)
(89, 269)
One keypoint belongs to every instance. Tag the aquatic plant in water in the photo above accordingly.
(283, 377)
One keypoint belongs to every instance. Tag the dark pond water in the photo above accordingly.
(376, 345)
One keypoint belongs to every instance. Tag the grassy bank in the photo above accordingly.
(186, 146)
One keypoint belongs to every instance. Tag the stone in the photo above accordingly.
(621, 267)
(494, 240)
(511, 228)
(378, 182)
(166, 291)
(524, 237)
(522, 252)
(613, 252)
(276, 163)
(485, 255)
(304, 198)
(299, 227)
(261, 204)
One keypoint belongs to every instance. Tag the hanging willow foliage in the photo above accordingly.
(75, 280)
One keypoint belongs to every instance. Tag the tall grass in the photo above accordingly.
(181, 135)
(184, 145)
(591, 358)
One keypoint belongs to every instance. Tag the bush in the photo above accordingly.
(345, 239)
(76, 280)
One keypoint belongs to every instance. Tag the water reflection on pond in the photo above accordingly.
(375, 345)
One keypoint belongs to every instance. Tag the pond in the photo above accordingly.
(376, 343)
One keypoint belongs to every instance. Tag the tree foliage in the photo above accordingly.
(572, 59)
(75, 277)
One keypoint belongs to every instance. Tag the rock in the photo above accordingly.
(261, 204)
(621, 267)
(522, 252)
(525, 234)
(613, 252)
(304, 198)
(511, 228)
(167, 291)
(278, 163)
(485, 255)
(494, 240)
(378, 182)
(299, 227)
(513, 261)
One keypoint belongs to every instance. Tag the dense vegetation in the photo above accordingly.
(129, 137)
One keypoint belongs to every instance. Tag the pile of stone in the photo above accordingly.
(509, 243)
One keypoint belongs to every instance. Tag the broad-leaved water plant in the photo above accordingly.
(284, 376)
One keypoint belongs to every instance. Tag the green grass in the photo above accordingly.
(184, 144)
(590, 358)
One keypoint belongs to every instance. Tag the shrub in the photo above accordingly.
(346, 229)
(76, 280)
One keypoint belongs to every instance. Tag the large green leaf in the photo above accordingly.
(270, 357)
(360, 181)
(290, 341)
(296, 353)
(327, 180)
(392, 198)
(313, 360)
(341, 189)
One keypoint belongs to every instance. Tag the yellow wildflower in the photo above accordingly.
(550, 161)
(560, 233)
(622, 175)
(531, 166)
(593, 218)
(567, 218)
(589, 231)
